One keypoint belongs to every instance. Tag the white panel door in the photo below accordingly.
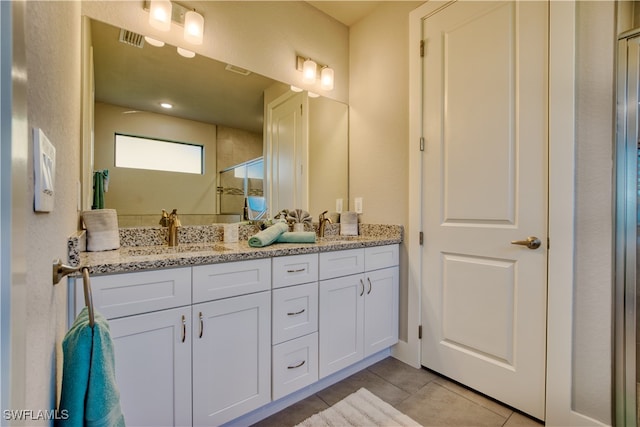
(286, 153)
(485, 185)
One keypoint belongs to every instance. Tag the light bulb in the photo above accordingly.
(309, 71)
(160, 14)
(326, 78)
(193, 27)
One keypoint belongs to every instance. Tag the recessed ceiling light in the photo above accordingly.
(313, 95)
(296, 88)
(166, 105)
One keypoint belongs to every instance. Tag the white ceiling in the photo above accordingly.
(347, 12)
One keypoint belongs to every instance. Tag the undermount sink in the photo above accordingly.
(161, 250)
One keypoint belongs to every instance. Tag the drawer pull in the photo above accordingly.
(362, 283)
(297, 312)
(184, 328)
(300, 270)
(296, 366)
(369, 291)
(201, 325)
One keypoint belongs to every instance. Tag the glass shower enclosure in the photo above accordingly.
(237, 182)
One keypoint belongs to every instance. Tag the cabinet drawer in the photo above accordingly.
(295, 311)
(295, 365)
(216, 281)
(377, 257)
(125, 294)
(294, 270)
(341, 263)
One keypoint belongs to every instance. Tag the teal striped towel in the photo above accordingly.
(268, 236)
(90, 396)
(297, 237)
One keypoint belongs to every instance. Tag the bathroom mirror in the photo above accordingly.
(216, 105)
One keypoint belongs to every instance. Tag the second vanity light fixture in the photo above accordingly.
(163, 12)
(309, 69)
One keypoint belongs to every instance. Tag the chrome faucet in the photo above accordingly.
(173, 223)
(322, 222)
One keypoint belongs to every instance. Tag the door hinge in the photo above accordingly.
(419, 332)
(422, 143)
(300, 109)
(421, 238)
(421, 48)
(548, 243)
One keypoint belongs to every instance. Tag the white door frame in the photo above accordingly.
(562, 37)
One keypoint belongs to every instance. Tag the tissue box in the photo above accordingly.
(102, 229)
(230, 233)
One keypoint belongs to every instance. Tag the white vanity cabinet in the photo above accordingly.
(358, 310)
(149, 316)
(231, 340)
(295, 323)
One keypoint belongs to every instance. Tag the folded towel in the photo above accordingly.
(102, 229)
(268, 236)
(90, 395)
(349, 224)
(297, 237)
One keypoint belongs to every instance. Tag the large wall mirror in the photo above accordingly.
(214, 105)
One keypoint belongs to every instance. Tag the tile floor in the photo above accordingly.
(425, 396)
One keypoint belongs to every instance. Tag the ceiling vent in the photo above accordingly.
(131, 38)
(237, 70)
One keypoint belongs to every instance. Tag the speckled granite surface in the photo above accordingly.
(143, 248)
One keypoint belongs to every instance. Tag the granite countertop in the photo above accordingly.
(153, 257)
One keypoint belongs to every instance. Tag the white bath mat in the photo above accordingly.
(360, 409)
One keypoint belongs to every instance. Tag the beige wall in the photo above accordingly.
(53, 73)
(236, 146)
(379, 122)
(140, 192)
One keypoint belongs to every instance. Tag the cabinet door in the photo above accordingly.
(341, 323)
(381, 310)
(231, 357)
(153, 367)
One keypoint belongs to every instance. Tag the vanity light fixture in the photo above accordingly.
(186, 53)
(153, 42)
(163, 12)
(310, 74)
(160, 14)
(193, 27)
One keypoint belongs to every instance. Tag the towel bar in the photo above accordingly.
(60, 270)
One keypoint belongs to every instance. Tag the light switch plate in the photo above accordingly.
(339, 205)
(44, 168)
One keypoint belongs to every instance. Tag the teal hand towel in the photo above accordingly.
(268, 236)
(90, 396)
(297, 237)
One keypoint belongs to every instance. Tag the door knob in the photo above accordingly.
(532, 242)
